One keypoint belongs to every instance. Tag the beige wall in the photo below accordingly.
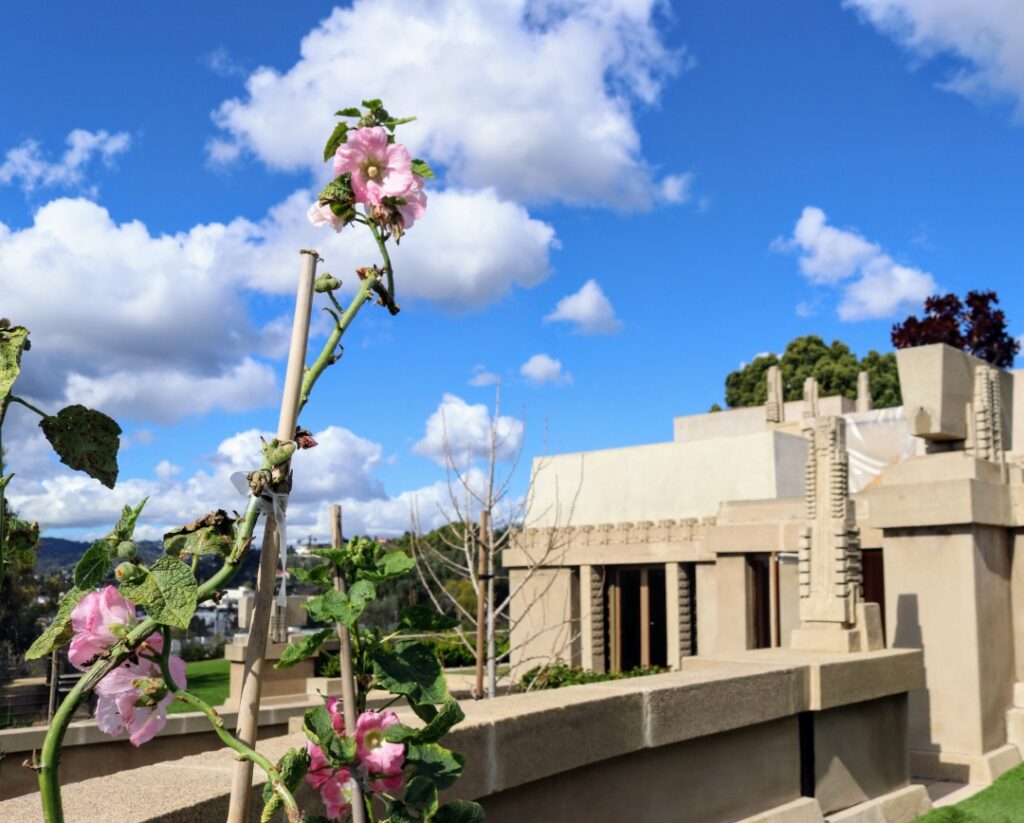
(545, 614)
(731, 605)
(712, 780)
(948, 592)
(664, 480)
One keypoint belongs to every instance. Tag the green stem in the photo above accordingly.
(388, 271)
(228, 739)
(326, 356)
(27, 405)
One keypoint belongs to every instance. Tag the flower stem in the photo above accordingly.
(326, 356)
(229, 740)
(382, 245)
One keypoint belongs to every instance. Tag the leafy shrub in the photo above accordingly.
(558, 674)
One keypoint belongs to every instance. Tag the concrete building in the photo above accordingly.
(699, 546)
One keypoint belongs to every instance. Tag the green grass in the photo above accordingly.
(1002, 802)
(208, 680)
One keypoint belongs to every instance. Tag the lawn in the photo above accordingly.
(208, 680)
(1002, 802)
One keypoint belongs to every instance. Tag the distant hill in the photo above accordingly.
(59, 554)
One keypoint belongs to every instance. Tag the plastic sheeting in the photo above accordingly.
(876, 439)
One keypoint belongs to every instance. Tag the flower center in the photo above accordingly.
(372, 168)
(374, 739)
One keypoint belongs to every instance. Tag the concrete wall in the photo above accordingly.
(664, 480)
(748, 420)
(715, 742)
(545, 612)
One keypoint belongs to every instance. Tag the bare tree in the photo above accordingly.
(468, 546)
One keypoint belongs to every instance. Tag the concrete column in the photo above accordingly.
(592, 618)
(673, 571)
(734, 612)
(706, 579)
(948, 592)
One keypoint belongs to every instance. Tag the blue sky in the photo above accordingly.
(665, 152)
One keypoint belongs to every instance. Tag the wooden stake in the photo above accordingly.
(348, 692)
(483, 549)
(256, 649)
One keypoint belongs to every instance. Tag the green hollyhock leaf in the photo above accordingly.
(372, 105)
(335, 607)
(421, 168)
(441, 723)
(391, 565)
(349, 112)
(13, 341)
(320, 574)
(411, 669)
(306, 648)
(125, 527)
(59, 631)
(420, 618)
(167, 593)
(338, 136)
(213, 533)
(21, 539)
(319, 727)
(86, 440)
(292, 768)
(460, 811)
(94, 565)
(436, 763)
(421, 795)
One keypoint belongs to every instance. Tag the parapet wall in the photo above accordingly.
(718, 741)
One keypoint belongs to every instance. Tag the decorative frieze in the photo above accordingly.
(603, 534)
(986, 417)
(775, 408)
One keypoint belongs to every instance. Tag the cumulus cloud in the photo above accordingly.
(163, 330)
(589, 310)
(482, 377)
(26, 165)
(480, 74)
(542, 368)
(460, 432)
(341, 469)
(987, 38)
(831, 256)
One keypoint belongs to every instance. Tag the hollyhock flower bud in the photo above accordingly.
(304, 439)
(100, 620)
(378, 169)
(129, 572)
(321, 213)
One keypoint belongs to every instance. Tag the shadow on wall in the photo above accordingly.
(907, 635)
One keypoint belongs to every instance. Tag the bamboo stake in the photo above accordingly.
(256, 649)
(348, 692)
(481, 601)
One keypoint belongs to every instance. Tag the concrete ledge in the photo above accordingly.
(900, 806)
(804, 810)
(835, 679)
(980, 769)
(532, 742)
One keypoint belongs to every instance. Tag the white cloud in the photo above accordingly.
(986, 36)
(341, 469)
(459, 432)
(26, 165)
(532, 99)
(676, 188)
(830, 256)
(162, 330)
(482, 377)
(220, 62)
(589, 309)
(541, 368)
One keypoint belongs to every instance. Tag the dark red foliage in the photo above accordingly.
(973, 325)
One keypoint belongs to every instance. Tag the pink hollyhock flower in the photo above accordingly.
(126, 705)
(101, 619)
(337, 718)
(376, 754)
(320, 214)
(415, 203)
(337, 794)
(379, 169)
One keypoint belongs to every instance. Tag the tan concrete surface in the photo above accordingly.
(900, 806)
(804, 810)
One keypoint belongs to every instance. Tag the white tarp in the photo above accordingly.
(877, 439)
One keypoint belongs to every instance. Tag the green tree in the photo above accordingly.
(834, 366)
